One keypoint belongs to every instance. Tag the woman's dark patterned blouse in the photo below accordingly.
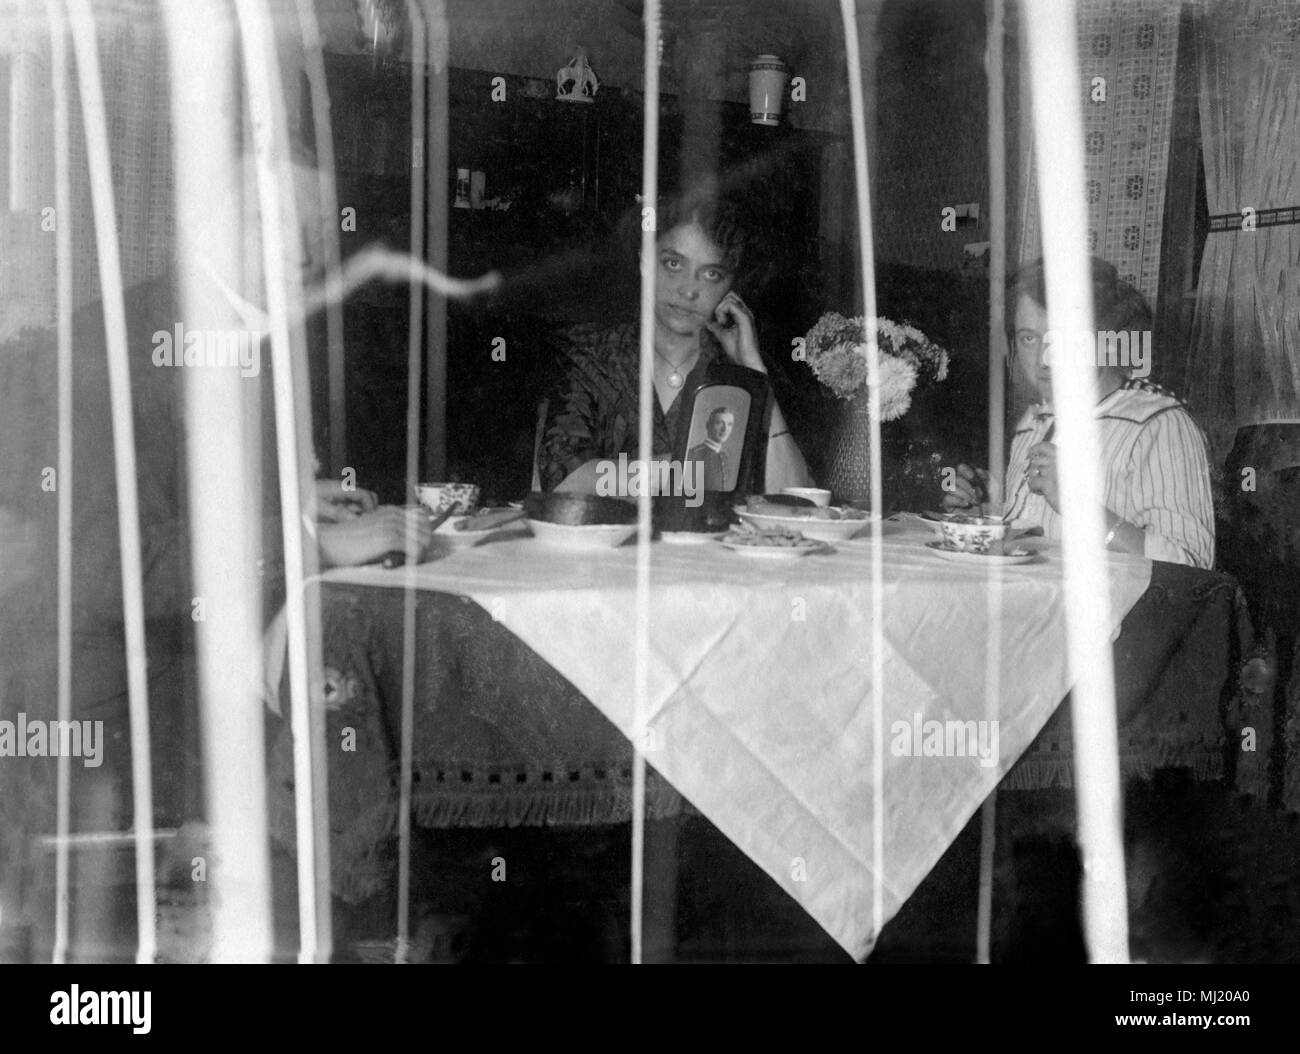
(594, 412)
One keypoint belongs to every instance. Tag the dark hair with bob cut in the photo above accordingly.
(721, 220)
(1116, 305)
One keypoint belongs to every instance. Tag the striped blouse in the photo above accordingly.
(1157, 473)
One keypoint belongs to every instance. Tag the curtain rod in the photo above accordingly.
(1236, 221)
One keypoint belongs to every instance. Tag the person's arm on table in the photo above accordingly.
(786, 466)
(735, 330)
(336, 502)
(369, 536)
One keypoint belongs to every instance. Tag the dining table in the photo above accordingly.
(840, 752)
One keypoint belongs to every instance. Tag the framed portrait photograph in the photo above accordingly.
(722, 436)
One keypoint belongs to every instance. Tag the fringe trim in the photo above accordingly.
(1037, 772)
(360, 867)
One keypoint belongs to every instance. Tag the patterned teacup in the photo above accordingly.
(439, 497)
(973, 534)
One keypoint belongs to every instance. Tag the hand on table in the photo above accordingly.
(1041, 474)
(974, 492)
(335, 502)
(369, 535)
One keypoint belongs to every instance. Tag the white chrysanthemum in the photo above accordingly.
(897, 379)
(838, 350)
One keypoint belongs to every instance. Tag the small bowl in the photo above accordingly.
(814, 494)
(438, 497)
(973, 534)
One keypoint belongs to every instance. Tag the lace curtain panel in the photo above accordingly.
(134, 65)
(1244, 365)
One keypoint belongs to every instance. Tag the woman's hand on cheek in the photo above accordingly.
(733, 326)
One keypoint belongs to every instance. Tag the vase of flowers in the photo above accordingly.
(837, 349)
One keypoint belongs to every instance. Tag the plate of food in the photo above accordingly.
(691, 537)
(829, 523)
(1001, 557)
(465, 532)
(773, 543)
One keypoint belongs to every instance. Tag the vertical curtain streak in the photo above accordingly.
(1052, 45)
(414, 343)
(649, 267)
(314, 58)
(63, 281)
(293, 441)
(997, 146)
(95, 117)
(221, 465)
(862, 186)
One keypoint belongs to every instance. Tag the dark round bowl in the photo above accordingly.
(578, 510)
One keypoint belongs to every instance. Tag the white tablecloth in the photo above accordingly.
(760, 693)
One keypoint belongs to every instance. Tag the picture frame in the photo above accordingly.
(723, 427)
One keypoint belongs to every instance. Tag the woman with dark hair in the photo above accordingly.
(1156, 470)
(699, 319)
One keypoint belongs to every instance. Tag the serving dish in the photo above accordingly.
(829, 524)
(584, 536)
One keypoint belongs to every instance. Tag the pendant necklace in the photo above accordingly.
(675, 379)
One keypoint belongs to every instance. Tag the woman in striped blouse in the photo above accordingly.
(1154, 457)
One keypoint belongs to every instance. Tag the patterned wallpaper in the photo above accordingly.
(1132, 46)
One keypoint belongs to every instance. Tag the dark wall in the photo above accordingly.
(932, 128)
(571, 174)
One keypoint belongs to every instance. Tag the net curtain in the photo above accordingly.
(1244, 366)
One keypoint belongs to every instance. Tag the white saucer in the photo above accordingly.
(776, 552)
(960, 556)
